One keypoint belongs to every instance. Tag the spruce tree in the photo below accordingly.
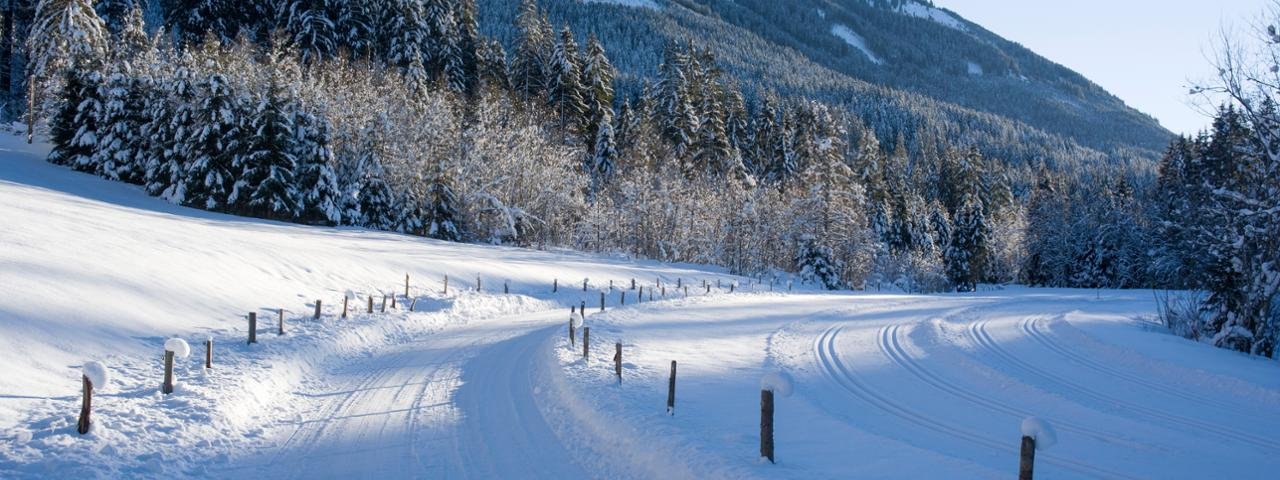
(213, 146)
(443, 220)
(267, 187)
(967, 251)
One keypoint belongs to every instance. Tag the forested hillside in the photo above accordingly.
(714, 143)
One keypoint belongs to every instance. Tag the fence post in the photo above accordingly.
(1028, 458)
(505, 288)
(601, 300)
(664, 291)
(446, 284)
(583, 309)
(622, 297)
(384, 303)
(679, 281)
(208, 352)
(572, 341)
(584, 284)
(650, 294)
(766, 424)
(610, 285)
(406, 285)
(253, 327)
(82, 425)
(167, 388)
(686, 291)
(370, 304)
(586, 342)
(478, 288)
(555, 285)
(344, 305)
(671, 390)
(317, 309)
(617, 361)
(393, 301)
(731, 288)
(640, 295)
(280, 331)
(413, 303)
(718, 283)
(633, 284)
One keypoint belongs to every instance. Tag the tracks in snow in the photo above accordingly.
(840, 374)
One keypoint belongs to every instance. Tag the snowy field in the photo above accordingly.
(486, 385)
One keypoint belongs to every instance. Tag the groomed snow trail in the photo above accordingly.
(456, 404)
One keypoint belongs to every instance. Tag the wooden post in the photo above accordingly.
(678, 283)
(393, 301)
(708, 284)
(406, 285)
(664, 291)
(555, 285)
(586, 342)
(370, 304)
(766, 424)
(671, 390)
(633, 284)
(617, 360)
(208, 353)
(317, 309)
(446, 284)
(640, 295)
(384, 303)
(602, 301)
(686, 291)
(572, 341)
(650, 294)
(167, 388)
(583, 309)
(477, 283)
(584, 284)
(730, 288)
(610, 285)
(280, 331)
(413, 303)
(344, 306)
(622, 297)
(82, 425)
(253, 327)
(718, 283)
(505, 289)
(1028, 458)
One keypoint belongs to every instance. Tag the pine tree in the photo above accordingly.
(442, 220)
(597, 79)
(122, 149)
(967, 252)
(535, 43)
(267, 188)
(213, 146)
(814, 264)
(66, 34)
(313, 29)
(565, 87)
(603, 153)
(317, 182)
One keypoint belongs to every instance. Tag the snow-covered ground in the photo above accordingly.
(486, 385)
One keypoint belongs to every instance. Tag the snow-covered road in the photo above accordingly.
(454, 404)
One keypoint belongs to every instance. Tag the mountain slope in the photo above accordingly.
(909, 69)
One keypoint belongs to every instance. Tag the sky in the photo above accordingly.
(1147, 52)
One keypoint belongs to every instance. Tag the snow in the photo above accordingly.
(97, 374)
(974, 69)
(1040, 431)
(939, 16)
(650, 4)
(178, 346)
(856, 41)
(778, 382)
(481, 385)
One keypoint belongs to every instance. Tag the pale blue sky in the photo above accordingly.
(1143, 51)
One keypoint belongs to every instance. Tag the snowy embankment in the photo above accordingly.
(896, 386)
(97, 271)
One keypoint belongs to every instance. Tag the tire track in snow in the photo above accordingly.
(1037, 329)
(891, 345)
(978, 332)
(836, 371)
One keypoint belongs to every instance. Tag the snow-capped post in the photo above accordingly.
(173, 347)
(1036, 435)
(208, 352)
(91, 374)
(446, 284)
(617, 361)
(633, 284)
(584, 284)
(583, 309)
(344, 306)
(773, 383)
(370, 304)
(253, 327)
(317, 316)
(406, 285)
(586, 342)
(671, 390)
(280, 322)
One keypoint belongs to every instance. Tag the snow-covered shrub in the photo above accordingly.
(1182, 314)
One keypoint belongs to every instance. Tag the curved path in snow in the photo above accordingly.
(455, 404)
